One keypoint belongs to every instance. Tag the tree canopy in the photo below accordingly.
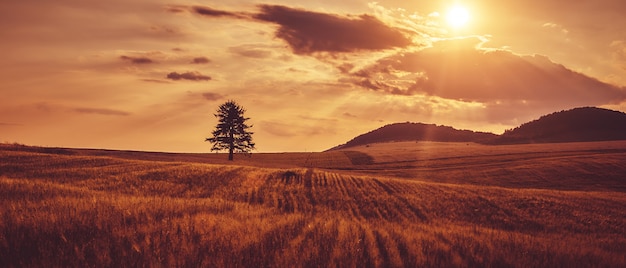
(231, 132)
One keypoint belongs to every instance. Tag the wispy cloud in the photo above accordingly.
(200, 60)
(137, 60)
(250, 51)
(194, 76)
(207, 11)
(556, 27)
(211, 96)
(176, 8)
(282, 129)
(101, 111)
(618, 48)
(156, 81)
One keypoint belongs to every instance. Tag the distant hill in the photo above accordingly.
(417, 132)
(576, 125)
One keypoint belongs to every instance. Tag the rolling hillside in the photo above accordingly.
(579, 124)
(416, 132)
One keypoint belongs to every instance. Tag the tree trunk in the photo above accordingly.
(231, 146)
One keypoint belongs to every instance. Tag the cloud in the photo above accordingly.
(278, 129)
(194, 76)
(101, 111)
(200, 60)
(175, 9)
(156, 81)
(308, 32)
(318, 119)
(250, 51)
(137, 60)
(212, 96)
(462, 70)
(556, 27)
(618, 48)
(210, 12)
(45, 107)
(492, 86)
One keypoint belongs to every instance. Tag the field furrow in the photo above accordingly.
(81, 210)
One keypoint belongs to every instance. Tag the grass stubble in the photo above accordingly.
(101, 211)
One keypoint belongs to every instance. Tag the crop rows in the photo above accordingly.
(60, 210)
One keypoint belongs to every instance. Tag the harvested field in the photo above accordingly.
(522, 208)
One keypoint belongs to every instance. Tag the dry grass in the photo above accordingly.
(585, 166)
(75, 209)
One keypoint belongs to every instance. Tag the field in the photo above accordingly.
(403, 204)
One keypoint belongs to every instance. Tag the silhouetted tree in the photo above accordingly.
(231, 132)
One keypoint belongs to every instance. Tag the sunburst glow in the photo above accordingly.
(457, 16)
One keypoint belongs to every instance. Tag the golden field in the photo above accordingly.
(402, 204)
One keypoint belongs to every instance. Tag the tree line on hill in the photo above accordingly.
(576, 125)
(579, 124)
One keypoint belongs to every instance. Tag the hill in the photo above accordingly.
(576, 125)
(583, 124)
(416, 132)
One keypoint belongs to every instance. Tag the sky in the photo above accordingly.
(149, 75)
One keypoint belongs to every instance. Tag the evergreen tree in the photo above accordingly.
(231, 132)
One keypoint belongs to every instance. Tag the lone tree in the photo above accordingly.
(231, 131)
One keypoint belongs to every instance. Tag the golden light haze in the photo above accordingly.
(143, 75)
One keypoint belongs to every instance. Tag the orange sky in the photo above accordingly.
(148, 75)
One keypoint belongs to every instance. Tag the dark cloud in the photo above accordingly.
(457, 69)
(367, 83)
(194, 76)
(345, 68)
(212, 96)
(137, 60)
(101, 111)
(207, 11)
(308, 32)
(200, 60)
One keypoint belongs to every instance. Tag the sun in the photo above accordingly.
(457, 16)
